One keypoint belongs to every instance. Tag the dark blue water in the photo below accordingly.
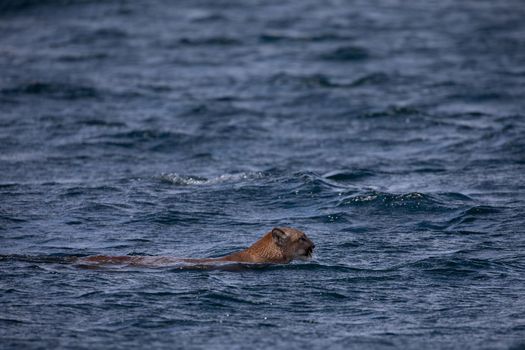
(391, 132)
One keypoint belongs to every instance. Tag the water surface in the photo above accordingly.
(390, 132)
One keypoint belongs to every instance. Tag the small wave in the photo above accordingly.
(156, 87)
(313, 266)
(53, 89)
(350, 244)
(451, 266)
(347, 53)
(149, 139)
(181, 180)
(339, 217)
(272, 37)
(316, 183)
(412, 200)
(371, 79)
(324, 81)
(13, 321)
(109, 34)
(303, 81)
(18, 5)
(75, 191)
(217, 41)
(348, 175)
(80, 57)
(468, 216)
(394, 111)
(101, 123)
(144, 134)
(5, 219)
(220, 298)
(455, 196)
(482, 210)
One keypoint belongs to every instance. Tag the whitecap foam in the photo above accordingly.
(182, 180)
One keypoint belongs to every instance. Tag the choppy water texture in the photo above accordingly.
(392, 132)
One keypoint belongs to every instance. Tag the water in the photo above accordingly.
(391, 132)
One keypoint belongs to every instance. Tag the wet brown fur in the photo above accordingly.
(279, 246)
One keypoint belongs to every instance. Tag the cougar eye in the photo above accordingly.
(302, 239)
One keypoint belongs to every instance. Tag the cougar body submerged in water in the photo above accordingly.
(279, 246)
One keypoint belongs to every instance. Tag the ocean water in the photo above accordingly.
(391, 132)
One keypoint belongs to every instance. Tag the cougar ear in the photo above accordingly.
(279, 236)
